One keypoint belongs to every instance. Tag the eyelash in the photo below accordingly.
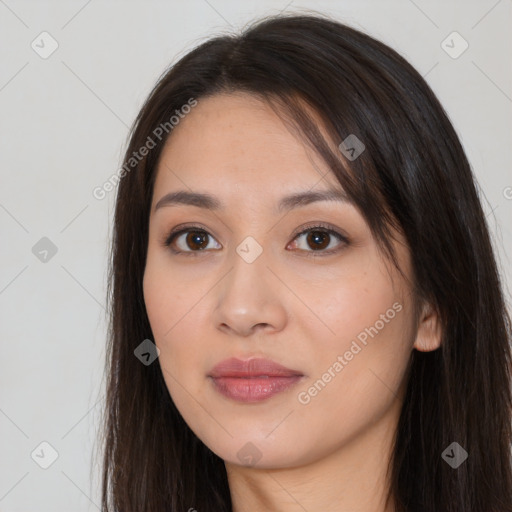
(325, 228)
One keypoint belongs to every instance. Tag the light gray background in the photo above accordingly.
(64, 121)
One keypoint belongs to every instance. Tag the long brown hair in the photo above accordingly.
(414, 176)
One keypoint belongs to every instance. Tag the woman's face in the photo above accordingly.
(246, 284)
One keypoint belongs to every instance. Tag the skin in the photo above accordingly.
(331, 453)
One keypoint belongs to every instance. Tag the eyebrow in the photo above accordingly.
(210, 202)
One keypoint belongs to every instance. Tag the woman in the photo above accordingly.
(305, 308)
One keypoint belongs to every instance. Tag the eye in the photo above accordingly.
(196, 238)
(319, 237)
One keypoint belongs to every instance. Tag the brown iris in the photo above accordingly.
(196, 237)
(315, 236)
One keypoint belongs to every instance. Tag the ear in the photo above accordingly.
(428, 335)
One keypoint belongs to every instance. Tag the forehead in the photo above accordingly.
(237, 141)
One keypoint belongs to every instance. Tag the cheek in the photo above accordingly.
(165, 300)
(172, 309)
(156, 301)
(354, 384)
(360, 361)
(351, 305)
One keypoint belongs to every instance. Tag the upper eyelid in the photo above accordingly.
(319, 225)
(171, 237)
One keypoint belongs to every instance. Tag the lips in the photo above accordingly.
(252, 368)
(252, 380)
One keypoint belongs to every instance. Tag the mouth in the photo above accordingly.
(253, 380)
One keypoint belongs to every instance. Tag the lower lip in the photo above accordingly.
(255, 389)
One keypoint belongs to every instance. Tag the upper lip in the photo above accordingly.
(255, 367)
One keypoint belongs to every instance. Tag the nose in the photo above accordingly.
(250, 299)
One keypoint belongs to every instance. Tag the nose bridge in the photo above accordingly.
(248, 274)
(246, 297)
